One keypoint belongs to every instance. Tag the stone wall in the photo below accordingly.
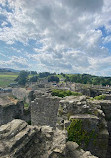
(93, 119)
(106, 107)
(23, 94)
(10, 112)
(44, 111)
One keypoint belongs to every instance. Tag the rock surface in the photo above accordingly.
(10, 110)
(93, 115)
(19, 140)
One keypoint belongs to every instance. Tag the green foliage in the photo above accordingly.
(44, 74)
(53, 78)
(100, 97)
(22, 77)
(26, 106)
(88, 79)
(33, 72)
(64, 93)
(77, 134)
(33, 79)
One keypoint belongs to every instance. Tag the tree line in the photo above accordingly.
(88, 79)
(23, 78)
(76, 78)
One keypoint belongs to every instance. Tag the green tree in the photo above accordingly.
(53, 78)
(33, 79)
(22, 77)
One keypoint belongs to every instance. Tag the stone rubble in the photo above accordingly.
(20, 140)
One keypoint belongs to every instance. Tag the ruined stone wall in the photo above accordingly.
(24, 141)
(106, 107)
(44, 111)
(93, 120)
(27, 115)
(22, 94)
(10, 112)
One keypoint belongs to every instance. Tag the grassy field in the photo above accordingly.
(6, 78)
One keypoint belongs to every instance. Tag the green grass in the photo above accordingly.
(6, 78)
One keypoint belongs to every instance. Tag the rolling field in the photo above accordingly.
(6, 78)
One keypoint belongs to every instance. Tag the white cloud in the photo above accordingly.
(15, 62)
(68, 30)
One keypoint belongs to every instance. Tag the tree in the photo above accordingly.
(22, 77)
(44, 74)
(33, 72)
(33, 79)
(53, 78)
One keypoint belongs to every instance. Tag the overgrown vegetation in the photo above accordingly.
(77, 134)
(100, 97)
(64, 93)
(26, 106)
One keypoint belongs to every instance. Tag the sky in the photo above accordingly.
(69, 36)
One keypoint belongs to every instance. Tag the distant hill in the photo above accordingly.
(87, 79)
(8, 70)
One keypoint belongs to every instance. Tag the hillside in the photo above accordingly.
(8, 70)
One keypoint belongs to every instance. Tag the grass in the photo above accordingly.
(7, 78)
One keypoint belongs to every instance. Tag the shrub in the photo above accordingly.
(64, 93)
(26, 106)
(77, 134)
(100, 97)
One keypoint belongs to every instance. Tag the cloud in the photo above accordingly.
(67, 32)
(15, 62)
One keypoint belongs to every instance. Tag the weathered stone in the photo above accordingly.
(44, 111)
(11, 111)
(80, 108)
(73, 151)
(23, 94)
(19, 140)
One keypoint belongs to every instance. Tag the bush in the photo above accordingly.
(26, 106)
(64, 93)
(77, 134)
(100, 97)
